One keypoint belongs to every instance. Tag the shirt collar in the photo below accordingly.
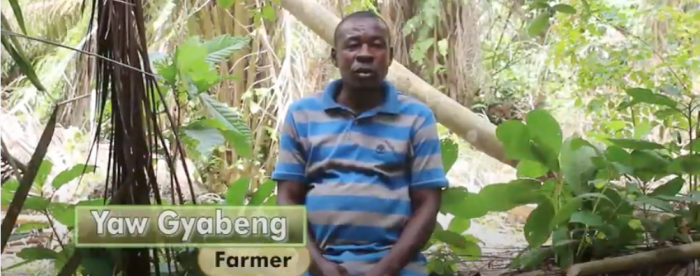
(390, 105)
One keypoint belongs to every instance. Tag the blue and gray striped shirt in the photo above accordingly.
(359, 169)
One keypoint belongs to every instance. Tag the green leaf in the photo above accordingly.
(564, 8)
(450, 152)
(532, 169)
(43, 173)
(635, 144)
(221, 48)
(505, 196)
(207, 136)
(564, 213)
(516, 140)
(63, 213)
(470, 251)
(268, 13)
(235, 129)
(450, 238)
(618, 154)
(539, 24)
(563, 247)
(14, 49)
(576, 163)
(37, 253)
(545, 132)
(459, 225)
(237, 191)
(18, 15)
(670, 188)
(68, 175)
(653, 201)
(587, 218)
(262, 192)
(536, 228)
(643, 95)
(36, 203)
(190, 59)
(461, 203)
(685, 164)
(531, 257)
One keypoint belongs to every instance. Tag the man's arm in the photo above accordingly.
(290, 174)
(427, 180)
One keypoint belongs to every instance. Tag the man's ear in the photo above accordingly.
(334, 57)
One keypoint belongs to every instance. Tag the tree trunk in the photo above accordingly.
(478, 131)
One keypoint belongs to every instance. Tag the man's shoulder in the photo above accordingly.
(308, 102)
(412, 106)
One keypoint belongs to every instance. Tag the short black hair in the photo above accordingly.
(358, 15)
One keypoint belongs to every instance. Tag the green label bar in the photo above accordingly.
(190, 226)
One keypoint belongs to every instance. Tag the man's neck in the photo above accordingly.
(360, 100)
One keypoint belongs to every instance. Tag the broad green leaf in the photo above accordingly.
(618, 154)
(516, 140)
(505, 196)
(635, 144)
(262, 192)
(462, 204)
(470, 251)
(206, 136)
(68, 175)
(670, 188)
(563, 247)
(537, 230)
(43, 173)
(237, 191)
(192, 67)
(459, 225)
(653, 201)
(451, 238)
(271, 201)
(221, 48)
(532, 169)
(236, 131)
(36, 203)
(564, 8)
(576, 163)
(564, 213)
(63, 213)
(587, 218)
(685, 164)
(450, 152)
(268, 13)
(37, 253)
(546, 133)
(649, 160)
(539, 24)
(643, 95)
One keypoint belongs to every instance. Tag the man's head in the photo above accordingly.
(362, 49)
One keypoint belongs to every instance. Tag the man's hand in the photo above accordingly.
(325, 267)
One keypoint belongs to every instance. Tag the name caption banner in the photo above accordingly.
(190, 226)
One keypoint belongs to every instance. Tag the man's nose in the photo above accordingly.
(364, 55)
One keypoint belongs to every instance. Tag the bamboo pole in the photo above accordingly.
(476, 130)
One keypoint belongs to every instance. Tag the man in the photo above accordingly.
(365, 160)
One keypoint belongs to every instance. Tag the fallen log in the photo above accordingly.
(476, 130)
(678, 253)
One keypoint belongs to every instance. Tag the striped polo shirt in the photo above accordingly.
(359, 169)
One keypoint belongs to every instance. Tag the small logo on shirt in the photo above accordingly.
(380, 149)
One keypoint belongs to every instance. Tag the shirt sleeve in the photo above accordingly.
(291, 160)
(426, 163)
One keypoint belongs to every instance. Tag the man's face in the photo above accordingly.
(362, 52)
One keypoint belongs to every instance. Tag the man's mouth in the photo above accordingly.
(364, 72)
